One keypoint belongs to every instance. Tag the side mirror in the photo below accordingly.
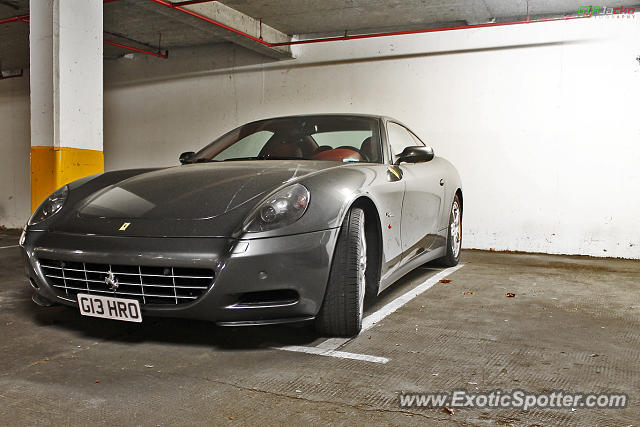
(415, 154)
(186, 156)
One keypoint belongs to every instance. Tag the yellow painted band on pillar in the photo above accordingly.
(53, 167)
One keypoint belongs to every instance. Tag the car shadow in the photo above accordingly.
(176, 331)
(190, 332)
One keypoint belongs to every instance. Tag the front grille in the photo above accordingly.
(149, 285)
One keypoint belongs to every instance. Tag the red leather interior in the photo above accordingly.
(339, 155)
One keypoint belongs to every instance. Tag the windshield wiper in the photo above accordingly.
(283, 158)
(233, 159)
(201, 160)
(263, 158)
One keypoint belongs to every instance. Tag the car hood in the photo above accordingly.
(210, 199)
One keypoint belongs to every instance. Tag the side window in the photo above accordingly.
(417, 140)
(399, 139)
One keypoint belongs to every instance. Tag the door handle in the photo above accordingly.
(441, 182)
(394, 173)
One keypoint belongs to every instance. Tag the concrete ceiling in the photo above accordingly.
(326, 16)
(14, 37)
(147, 25)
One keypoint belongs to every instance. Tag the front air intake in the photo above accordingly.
(149, 285)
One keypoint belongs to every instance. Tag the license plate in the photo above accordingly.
(127, 310)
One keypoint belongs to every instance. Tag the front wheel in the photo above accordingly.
(343, 305)
(454, 234)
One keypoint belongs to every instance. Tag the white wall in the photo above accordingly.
(66, 58)
(14, 152)
(541, 120)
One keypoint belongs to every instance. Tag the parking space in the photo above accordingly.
(239, 163)
(572, 325)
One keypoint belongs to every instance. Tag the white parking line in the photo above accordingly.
(389, 308)
(334, 353)
(333, 343)
(7, 247)
(329, 347)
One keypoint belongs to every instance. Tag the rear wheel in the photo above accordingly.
(343, 305)
(454, 234)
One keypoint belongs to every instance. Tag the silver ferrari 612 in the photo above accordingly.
(280, 220)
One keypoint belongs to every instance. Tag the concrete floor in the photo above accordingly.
(57, 368)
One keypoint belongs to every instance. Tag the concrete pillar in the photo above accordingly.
(66, 93)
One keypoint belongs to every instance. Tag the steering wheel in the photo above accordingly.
(348, 147)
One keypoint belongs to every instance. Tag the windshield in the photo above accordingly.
(333, 138)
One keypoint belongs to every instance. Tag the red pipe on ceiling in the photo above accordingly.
(188, 2)
(177, 6)
(159, 54)
(135, 49)
(428, 30)
(21, 18)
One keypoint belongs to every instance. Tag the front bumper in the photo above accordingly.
(297, 264)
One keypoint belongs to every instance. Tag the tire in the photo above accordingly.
(454, 234)
(343, 306)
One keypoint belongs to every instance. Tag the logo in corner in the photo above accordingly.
(125, 226)
(112, 281)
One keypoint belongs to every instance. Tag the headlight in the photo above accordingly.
(282, 208)
(50, 206)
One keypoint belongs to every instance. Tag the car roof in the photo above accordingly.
(296, 116)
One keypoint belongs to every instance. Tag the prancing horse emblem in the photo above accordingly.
(112, 281)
